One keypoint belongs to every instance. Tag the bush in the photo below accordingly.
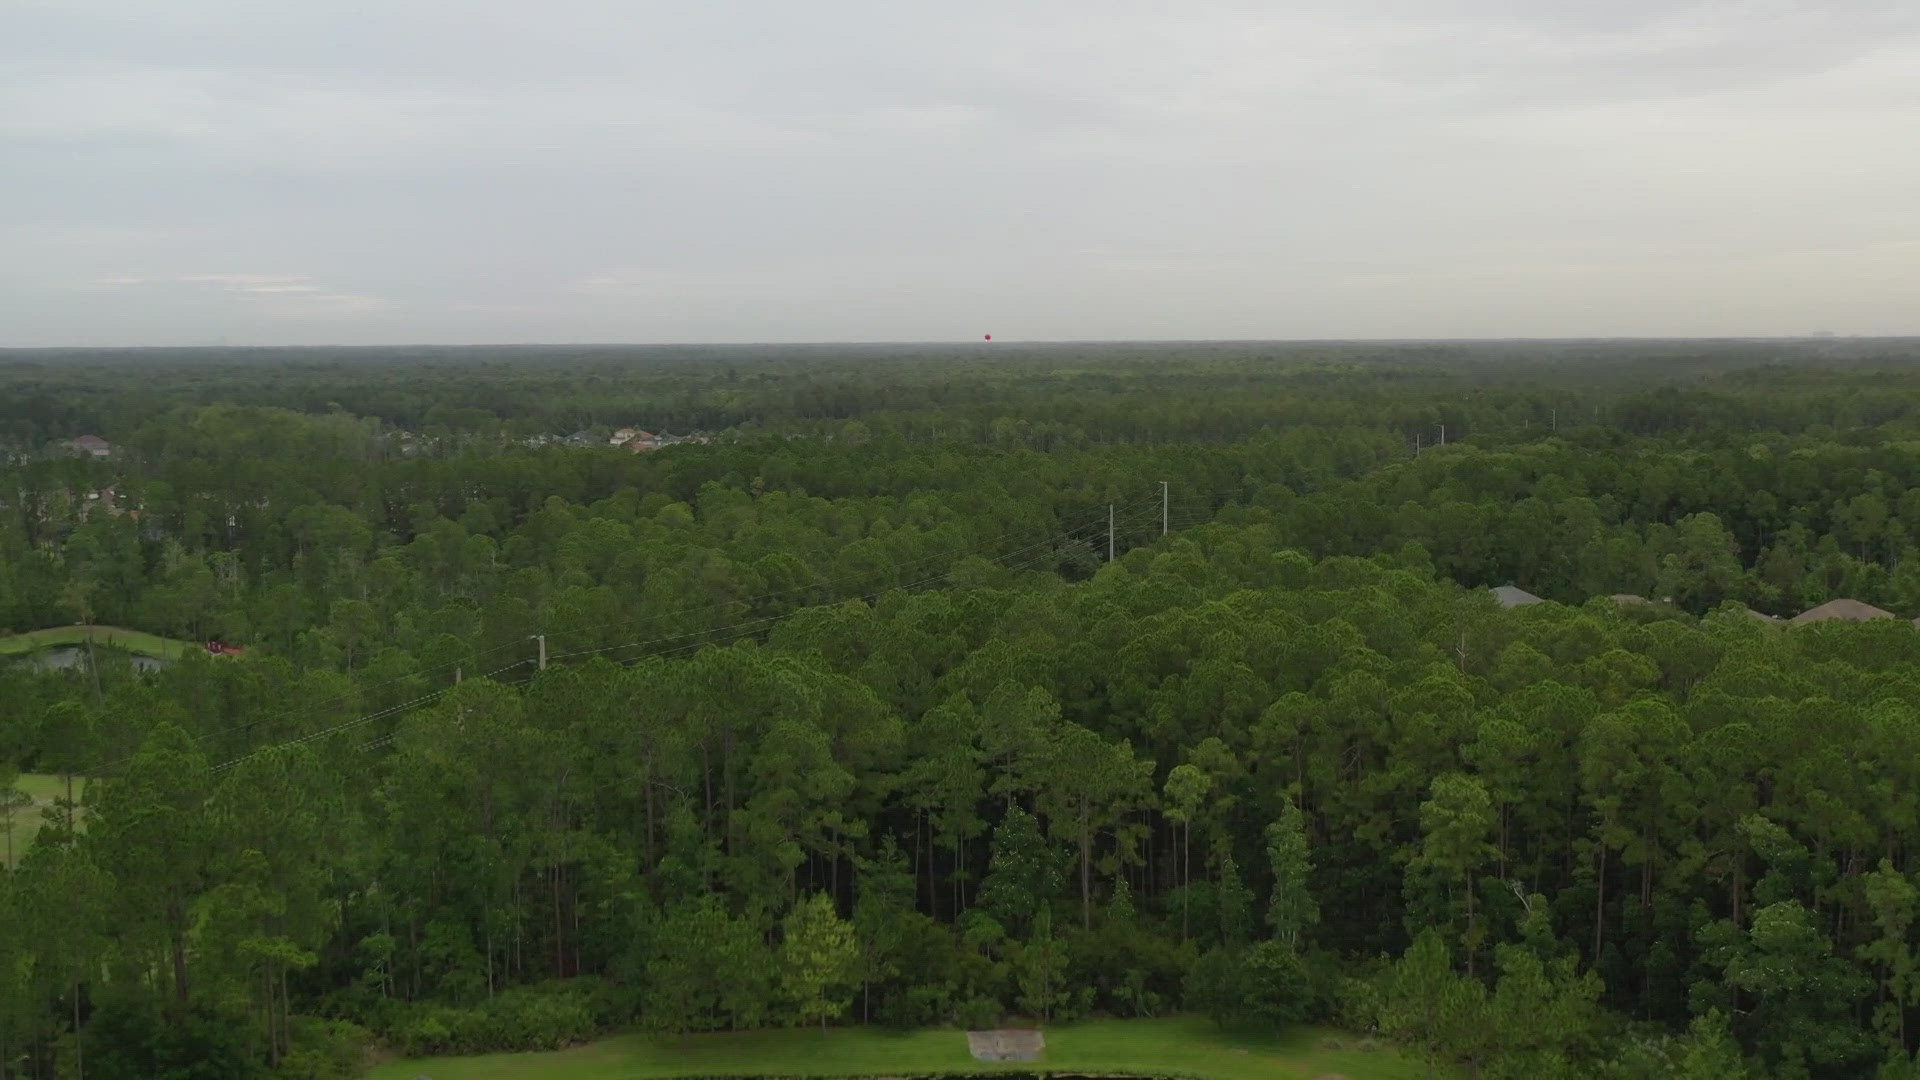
(916, 1007)
(132, 1038)
(325, 1050)
(979, 1012)
(1131, 971)
(538, 1018)
(1216, 986)
(1267, 985)
(361, 1006)
(544, 1017)
(1279, 988)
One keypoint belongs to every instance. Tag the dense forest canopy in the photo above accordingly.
(902, 691)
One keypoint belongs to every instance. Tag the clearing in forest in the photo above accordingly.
(40, 789)
(1188, 1046)
(117, 637)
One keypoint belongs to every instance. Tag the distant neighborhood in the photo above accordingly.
(91, 445)
(632, 439)
(1839, 610)
(86, 503)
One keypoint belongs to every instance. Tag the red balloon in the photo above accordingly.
(989, 337)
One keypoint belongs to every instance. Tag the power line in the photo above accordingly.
(337, 728)
(869, 595)
(310, 707)
(1051, 544)
(419, 673)
(1137, 516)
(955, 553)
(1032, 560)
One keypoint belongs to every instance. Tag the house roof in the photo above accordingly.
(1512, 596)
(91, 442)
(1849, 610)
(1626, 598)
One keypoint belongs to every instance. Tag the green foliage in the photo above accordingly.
(848, 714)
(521, 1018)
(1235, 903)
(818, 954)
(132, 1038)
(709, 969)
(1292, 910)
(325, 1050)
(1266, 986)
(1216, 986)
(1023, 876)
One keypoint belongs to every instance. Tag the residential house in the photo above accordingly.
(642, 441)
(92, 445)
(1844, 609)
(623, 436)
(104, 501)
(1509, 596)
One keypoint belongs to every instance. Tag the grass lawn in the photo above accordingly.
(42, 788)
(1177, 1046)
(118, 637)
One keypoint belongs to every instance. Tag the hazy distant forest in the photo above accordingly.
(903, 695)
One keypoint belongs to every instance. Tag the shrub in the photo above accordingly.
(1266, 985)
(979, 1012)
(538, 1018)
(544, 1017)
(325, 1050)
(132, 1038)
(916, 1007)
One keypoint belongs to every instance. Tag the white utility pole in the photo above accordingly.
(542, 639)
(1163, 508)
(1109, 532)
(1443, 434)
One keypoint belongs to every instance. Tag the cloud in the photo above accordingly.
(578, 170)
(281, 294)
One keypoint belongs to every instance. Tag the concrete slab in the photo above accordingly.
(1007, 1044)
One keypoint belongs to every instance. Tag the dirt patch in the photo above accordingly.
(1006, 1044)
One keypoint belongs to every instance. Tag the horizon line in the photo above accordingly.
(1826, 337)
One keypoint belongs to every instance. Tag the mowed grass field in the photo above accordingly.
(42, 788)
(133, 641)
(1184, 1046)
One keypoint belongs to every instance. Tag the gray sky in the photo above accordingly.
(366, 171)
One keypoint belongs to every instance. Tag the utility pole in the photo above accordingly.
(1443, 434)
(1109, 532)
(1163, 508)
(542, 639)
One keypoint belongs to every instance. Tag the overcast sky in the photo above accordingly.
(319, 171)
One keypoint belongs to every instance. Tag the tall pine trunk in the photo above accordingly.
(1599, 901)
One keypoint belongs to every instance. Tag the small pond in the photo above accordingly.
(74, 657)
